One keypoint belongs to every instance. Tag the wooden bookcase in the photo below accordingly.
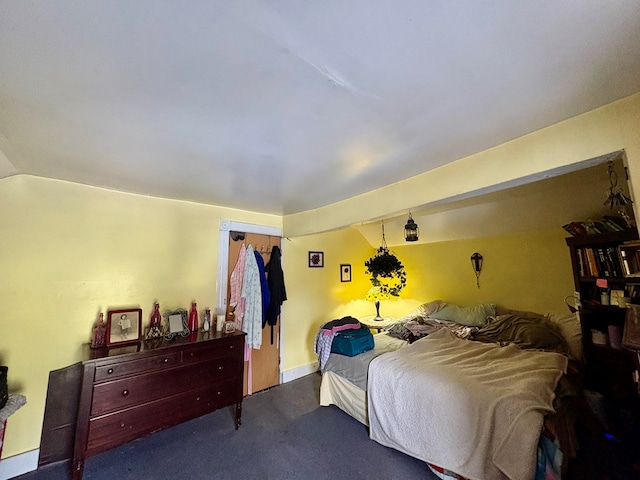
(609, 368)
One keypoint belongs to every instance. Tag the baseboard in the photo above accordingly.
(19, 464)
(299, 372)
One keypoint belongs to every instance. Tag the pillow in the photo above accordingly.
(427, 309)
(527, 333)
(475, 316)
(569, 327)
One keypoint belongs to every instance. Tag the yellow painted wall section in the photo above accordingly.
(528, 271)
(313, 294)
(69, 252)
(316, 295)
(604, 130)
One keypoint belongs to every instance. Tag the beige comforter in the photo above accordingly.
(473, 408)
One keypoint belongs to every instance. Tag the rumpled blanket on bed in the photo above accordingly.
(473, 408)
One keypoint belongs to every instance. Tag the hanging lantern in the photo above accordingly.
(411, 230)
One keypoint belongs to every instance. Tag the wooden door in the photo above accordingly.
(265, 361)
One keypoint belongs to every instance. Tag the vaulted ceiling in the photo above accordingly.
(285, 106)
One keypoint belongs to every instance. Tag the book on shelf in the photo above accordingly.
(592, 263)
(619, 222)
(575, 228)
(608, 224)
(629, 254)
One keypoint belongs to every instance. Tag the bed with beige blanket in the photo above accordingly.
(471, 407)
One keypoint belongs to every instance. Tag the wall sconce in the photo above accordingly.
(476, 263)
(411, 230)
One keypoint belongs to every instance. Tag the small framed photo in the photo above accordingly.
(615, 297)
(177, 323)
(124, 326)
(345, 272)
(316, 259)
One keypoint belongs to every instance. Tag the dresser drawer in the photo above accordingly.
(110, 430)
(135, 367)
(202, 354)
(129, 391)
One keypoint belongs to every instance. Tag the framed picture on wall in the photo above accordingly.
(345, 272)
(316, 259)
(124, 326)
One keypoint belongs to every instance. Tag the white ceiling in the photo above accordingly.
(284, 106)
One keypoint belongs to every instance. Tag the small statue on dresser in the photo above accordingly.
(99, 339)
(155, 325)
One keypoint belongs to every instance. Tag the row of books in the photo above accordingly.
(608, 223)
(600, 262)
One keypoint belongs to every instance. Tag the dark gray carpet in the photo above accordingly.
(285, 434)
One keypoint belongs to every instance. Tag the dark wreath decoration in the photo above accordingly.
(387, 272)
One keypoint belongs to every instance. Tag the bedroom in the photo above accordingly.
(74, 249)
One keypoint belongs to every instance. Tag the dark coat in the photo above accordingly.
(277, 291)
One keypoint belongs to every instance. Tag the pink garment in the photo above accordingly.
(332, 331)
(235, 299)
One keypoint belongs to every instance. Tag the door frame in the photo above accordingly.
(226, 227)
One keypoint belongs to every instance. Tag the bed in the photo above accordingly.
(471, 409)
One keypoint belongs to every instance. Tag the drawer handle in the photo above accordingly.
(166, 360)
(230, 347)
(125, 392)
(122, 425)
(220, 367)
(219, 393)
(110, 371)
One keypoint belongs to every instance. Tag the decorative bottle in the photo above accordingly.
(156, 318)
(99, 333)
(207, 320)
(193, 317)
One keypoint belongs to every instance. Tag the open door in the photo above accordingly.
(265, 361)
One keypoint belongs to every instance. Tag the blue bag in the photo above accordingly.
(352, 342)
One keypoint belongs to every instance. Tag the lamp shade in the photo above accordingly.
(411, 230)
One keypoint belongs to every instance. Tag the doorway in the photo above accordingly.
(265, 362)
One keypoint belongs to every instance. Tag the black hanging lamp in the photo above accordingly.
(411, 230)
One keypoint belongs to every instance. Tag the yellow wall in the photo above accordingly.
(69, 251)
(525, 271)
(318, 294)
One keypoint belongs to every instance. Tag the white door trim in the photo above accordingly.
(227, 226)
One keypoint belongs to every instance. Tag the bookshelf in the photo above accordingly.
(608, 263)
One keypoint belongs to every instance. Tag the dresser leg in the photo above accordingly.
(238, 415)
(77, 470)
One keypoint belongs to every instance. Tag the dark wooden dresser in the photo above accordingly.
(131, 391)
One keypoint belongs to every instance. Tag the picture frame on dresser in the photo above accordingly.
(124, 326)
(177, 323)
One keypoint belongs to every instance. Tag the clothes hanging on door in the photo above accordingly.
(252, 294)
(277, 290)
(235, 297)
(264, 287)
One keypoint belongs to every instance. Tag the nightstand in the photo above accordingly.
(371, 322)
